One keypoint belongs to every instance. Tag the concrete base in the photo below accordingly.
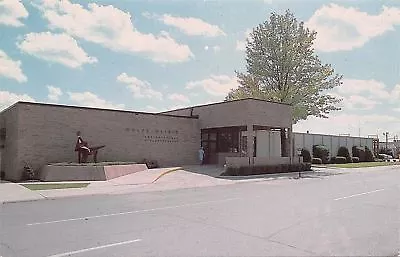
(88, 173)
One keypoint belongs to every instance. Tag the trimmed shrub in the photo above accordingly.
(321, 152)
(369, 156)
(268, 169)
(295, 167)
(245, 171)
(306, 155)
(285, 168)
(306, 166)
(340, 159)
(258, 170)
(344, 152)
(358, 151)
(151, 164)
(355, 159)
(316, 161)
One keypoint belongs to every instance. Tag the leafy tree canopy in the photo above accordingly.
(282, 66)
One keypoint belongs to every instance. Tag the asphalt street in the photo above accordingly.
(353, 214)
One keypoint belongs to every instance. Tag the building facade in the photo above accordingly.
(230, 132)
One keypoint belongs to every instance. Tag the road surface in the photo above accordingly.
(353, 213)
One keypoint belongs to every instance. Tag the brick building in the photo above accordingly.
(39, 134)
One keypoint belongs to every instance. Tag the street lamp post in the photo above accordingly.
(299, 151)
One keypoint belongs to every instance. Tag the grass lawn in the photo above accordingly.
(48, 186)
(363, 164)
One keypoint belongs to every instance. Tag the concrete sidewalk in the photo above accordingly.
(146, 181)
(11, 192)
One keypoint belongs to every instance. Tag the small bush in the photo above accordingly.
(151, 164)
(316, 161)
(306, 155)
(369, 156)
(355, 159)
(306, 166)
(29, 173)
(333, 159)
(295, 167)
(285, 168)
(245, 171)
(321, 152)
(358, 151)
(340, 159)
(258, 170)
(344, 152)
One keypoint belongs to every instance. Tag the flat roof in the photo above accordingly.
(318, 134)
(98, 109)
(225, 102)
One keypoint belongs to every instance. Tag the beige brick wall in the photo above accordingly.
(238, 113)
(47, 134)
(9, 154)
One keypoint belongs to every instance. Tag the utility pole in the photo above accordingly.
(386, 134)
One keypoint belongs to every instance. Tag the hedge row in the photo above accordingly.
(320, 155)
(267, 169)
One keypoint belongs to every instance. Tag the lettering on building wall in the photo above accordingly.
(155, 135)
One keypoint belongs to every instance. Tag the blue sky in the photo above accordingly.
(161, 54)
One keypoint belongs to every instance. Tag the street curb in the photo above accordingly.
(275, 175)
(25, 200)
(165, 173)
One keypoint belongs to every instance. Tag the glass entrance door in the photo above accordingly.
(209, 143)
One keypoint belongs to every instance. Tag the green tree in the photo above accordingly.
(283, 67)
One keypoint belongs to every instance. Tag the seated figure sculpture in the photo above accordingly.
(84, 150)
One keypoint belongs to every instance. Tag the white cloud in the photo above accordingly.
(215, 48)
(241, 44)
(150, 108)
(8, 98)
(218, 85)
(11, 12)
(396, 93)
(340, 28)
(113, 29)
(59, 48)
(357, 102)
(366, 94)
(139, 88)
(351, 124)
(11, 69)
(179, 98)
(89, 99)
(189, 25)
(371, 88)
(54, 93)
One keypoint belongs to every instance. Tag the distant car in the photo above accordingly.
(385, 157)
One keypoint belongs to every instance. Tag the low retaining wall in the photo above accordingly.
(87, 173)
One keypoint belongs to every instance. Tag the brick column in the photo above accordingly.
(290, 146)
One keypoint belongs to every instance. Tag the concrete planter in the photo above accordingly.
(87, 173)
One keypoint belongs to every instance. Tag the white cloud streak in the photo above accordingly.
(58, 48)
(10, 68)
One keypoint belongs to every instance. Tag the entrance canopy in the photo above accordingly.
(234, 130)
